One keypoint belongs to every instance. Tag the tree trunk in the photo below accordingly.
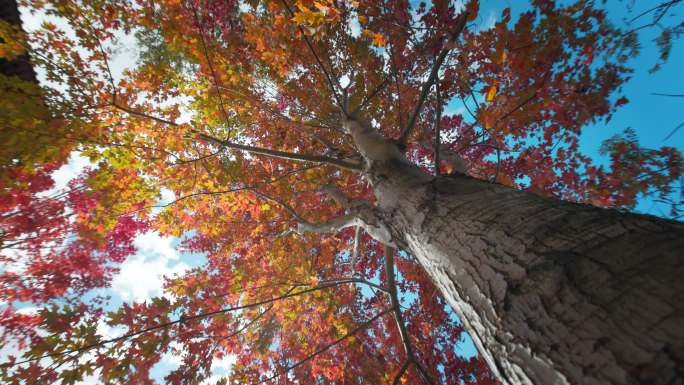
(20, 66)
(551, 292)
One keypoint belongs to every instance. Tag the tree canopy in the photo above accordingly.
(238, 109)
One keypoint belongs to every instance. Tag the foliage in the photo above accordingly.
(663, 16)
(235, 107)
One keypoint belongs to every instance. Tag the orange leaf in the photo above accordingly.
(379, 40)
(491, 93)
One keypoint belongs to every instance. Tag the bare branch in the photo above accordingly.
(334, 225)
(657, 7)
(674, 131)
(344, 164)
(356, 280)
(243, 328)
(331, 226)
(672, 95)
(498, 164)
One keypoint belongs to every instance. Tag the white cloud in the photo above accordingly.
(141, 276)
(29, 310)
(354, 26)
(344, 81)
(153, 245)
(223, 365)
(454, 110)
(109, 332)
(220, 368)
(167, 196)
(69, 171)
(174, 358)
(92, 379)
(212, 380)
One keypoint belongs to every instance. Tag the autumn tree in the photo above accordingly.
(50, 249)
(305, 142)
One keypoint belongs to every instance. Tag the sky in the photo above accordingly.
(652, 117)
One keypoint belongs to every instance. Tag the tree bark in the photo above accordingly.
(551, 292)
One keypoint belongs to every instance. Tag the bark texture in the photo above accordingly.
(551, 292)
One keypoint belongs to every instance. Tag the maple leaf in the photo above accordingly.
(379, 40)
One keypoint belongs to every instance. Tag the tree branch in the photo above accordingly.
(398, 317)
(143, 115)
(355, 248)
(438, 119)
(281, 154)
(672, 95)
(397, 378)
(331, 226)
(331, 83)
(327, 347)
(209, 63)
(340, 198)
(370, 96)
(674, 131)
(460, 25)
(82, 349)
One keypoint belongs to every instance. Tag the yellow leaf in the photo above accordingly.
(363, 19)
(491, 93)
(265, 207)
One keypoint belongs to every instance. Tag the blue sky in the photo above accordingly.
(652, 117)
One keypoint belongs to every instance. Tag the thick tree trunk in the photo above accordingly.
(551, 292)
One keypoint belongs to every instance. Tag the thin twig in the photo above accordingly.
(673, 95)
